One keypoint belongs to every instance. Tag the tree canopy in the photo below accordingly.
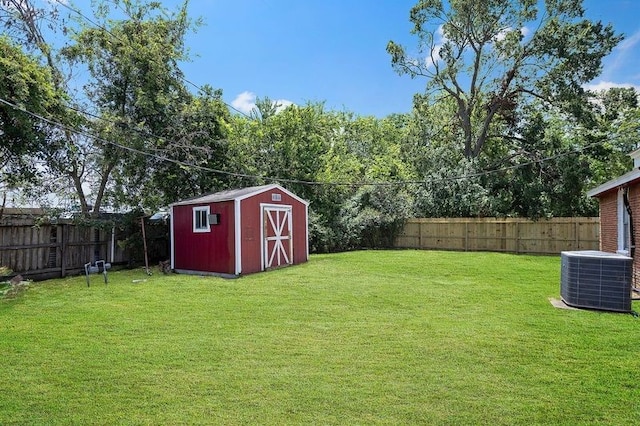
(494, 57)
(26, 89)
(504, 127)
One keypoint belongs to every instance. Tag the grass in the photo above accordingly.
(374, 337)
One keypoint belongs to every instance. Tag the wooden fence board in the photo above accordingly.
(56, 250)
(513, 235)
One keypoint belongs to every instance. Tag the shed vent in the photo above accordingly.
(596, 280)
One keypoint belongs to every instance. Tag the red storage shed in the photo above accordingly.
(239, 231)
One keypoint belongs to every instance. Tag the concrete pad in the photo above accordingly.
(559, 303)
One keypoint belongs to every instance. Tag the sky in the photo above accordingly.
(334, 51)
(331, 51)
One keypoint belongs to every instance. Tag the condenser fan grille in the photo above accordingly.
(596, 280)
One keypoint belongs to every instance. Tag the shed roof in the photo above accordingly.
(236, 194)
(623, 180)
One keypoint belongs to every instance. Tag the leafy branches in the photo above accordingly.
(493, 57)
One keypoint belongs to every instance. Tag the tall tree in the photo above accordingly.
(64, 156)
(139, 92)
(613, 134)
(136, 95)
(26, 87)
(200, 146)
(492, 57)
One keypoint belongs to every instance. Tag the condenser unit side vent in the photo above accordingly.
(596, 280)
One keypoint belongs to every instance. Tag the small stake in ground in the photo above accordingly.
(144, 243)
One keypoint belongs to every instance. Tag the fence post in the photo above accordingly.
(466, 235)
(63, 250)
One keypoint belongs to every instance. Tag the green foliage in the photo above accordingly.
(324, 236)
(454, 192)
(200, 144)
(544, 170)
(546, 174)
(491, 58)
(297, 144)
(27, 84)
(614, 132)
(147, 115)
(374, 216)
(503, 129)
(130, 226)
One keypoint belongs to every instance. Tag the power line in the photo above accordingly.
(124, 147)
(478, 174)
(248, 176)
(294, 181)
(95, 24)
(186, 164)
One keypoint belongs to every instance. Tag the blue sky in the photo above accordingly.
(303, 50)
(334, 51)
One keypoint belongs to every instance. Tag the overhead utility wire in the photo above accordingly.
(95, 24)
(124, 147)
(390, 183)
(186, 164)
(297, 181)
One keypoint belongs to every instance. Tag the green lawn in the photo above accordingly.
(373, 337)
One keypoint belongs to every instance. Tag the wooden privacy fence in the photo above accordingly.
(49, 250)
(512, 235)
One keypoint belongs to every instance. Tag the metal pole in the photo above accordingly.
(144, 242)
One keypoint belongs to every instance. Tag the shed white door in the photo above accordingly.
(277, 235)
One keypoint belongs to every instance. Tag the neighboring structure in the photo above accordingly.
(620, 214)
(239, 231)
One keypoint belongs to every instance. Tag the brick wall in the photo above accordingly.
(634, 201)
(609, 225)
(609, 221)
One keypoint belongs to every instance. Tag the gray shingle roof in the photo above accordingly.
(231, 194)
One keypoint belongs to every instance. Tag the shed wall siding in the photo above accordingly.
(252, 228)
(207, 251)
(250, 234)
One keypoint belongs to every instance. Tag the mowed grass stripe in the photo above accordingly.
(371, 337)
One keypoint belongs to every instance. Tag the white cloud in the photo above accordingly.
(621, 54)
(629, 43)
(282, 104)
(438, 42)
(245, 102)
(606, 85)
(431, 60)
(58, 2)
(503, 33)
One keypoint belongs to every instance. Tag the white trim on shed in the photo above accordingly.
(237, 194)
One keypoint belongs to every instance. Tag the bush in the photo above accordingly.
(374, 216)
